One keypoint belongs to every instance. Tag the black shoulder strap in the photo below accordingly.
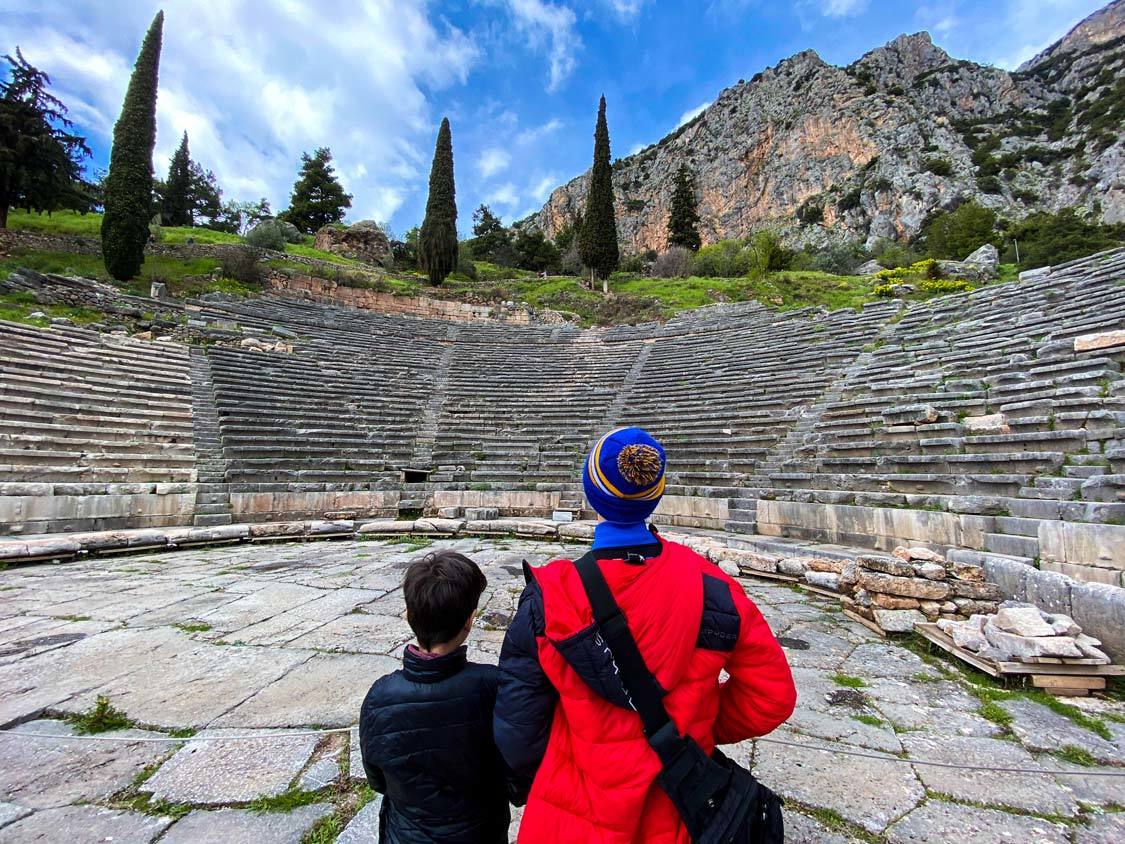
(639, 682)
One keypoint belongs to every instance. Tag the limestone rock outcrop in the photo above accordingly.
(880, 144)
(362, 241)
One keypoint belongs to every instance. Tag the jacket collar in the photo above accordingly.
(622, 535)
(433, 669)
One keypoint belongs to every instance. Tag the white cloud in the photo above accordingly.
(626, 9)
(541, 189)
(492, 161)
(692, 113)
(506, 194)
(635, 148)
(842, 8)
(254, 90)
(536, 133)
(545, 24)
(1030, 26)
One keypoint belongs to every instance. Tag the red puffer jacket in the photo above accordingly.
(595, 780)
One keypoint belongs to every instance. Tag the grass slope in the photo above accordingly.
(635, 299)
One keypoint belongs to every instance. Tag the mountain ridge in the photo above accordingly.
(873, 148)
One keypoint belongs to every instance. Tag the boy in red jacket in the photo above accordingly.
(563, 718)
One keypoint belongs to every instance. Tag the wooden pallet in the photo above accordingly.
(1066, 678)
(866, 622)
(768, 575)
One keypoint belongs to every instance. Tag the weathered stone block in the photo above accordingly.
(1099, 340)
(1100, 611)
(908, 587)
(898, 621)
(1048, 590)
(982, 591)
(887, 565)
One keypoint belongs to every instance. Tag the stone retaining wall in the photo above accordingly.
(49, 508)
(323, 290)
(1093, 552)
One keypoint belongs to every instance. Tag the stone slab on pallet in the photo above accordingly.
(1080, 671)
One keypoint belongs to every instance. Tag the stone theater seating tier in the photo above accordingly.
(990, 422)
(95, 432)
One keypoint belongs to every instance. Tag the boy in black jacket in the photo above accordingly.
(425, 731)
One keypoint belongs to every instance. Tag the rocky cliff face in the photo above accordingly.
(868, 151)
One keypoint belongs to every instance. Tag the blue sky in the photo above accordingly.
(256, 82)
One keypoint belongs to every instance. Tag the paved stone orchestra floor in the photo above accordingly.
(265, 642)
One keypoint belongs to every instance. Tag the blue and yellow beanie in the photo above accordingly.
(624, 475)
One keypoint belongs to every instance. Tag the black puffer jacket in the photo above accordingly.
(425, 732)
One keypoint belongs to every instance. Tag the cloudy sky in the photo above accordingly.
(256, 82)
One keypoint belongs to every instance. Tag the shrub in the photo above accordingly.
(677, 262)
(466, 269)
(989, 184)
(938, 166)
(891, 254)
(241, 264)
(811, 211)
(725, 259)
(851, 199)
(766, 254)
(837, 258)
(1053, 238)
(926, 268)
(268, 234)
(955, 234)
(945, 285)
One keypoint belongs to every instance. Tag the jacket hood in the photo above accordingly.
(661, 599)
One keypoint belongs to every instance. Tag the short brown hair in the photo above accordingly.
(441, 590)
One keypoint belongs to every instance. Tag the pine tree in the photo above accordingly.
(40, 160)
(597, 240)
(128, 187)
(683, 220)
(318, 197)
(176, 209)
(437, 241)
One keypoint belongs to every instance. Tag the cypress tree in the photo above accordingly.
(437, 241)
(683, 219)
(128, 186)
(597, 240)
(318, 198)
(176, 209)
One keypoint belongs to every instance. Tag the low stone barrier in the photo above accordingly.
(1097, 608)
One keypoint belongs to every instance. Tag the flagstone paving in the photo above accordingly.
(253, 646)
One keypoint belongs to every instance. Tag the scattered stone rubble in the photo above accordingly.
(1024, 633)
(915, 585)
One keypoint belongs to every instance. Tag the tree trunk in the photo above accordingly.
(3, 215)
(605, 286)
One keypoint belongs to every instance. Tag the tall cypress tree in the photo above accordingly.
(683, 219)
(597, 240)
(176, 209)
(437, 241)
(128, 186)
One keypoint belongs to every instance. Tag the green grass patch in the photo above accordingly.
(59, 222)
(146, 805)
(992, 711)
(412, 543)
(101, 719)
(74, 617)
(287, 801)
(1080, 718)
(834, 821)
(848, 681)
(325, 831)
(869, 720)
(1065, 820)
(193, 626)
(1076, 756)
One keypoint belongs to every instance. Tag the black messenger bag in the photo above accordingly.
(719, 801)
